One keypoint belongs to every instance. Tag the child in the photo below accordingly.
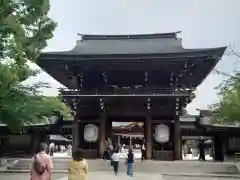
(115, 161)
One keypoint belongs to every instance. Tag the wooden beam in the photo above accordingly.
(128, 95)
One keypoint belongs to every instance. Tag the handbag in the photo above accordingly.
(126, 160)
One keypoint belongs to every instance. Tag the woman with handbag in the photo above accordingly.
(41, 164)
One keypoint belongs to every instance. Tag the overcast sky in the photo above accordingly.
(204, 24)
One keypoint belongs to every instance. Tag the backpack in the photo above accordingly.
(38, 166)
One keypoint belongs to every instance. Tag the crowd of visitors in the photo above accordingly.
(112, 153)
(42, 165)
(78, 167)
(53, 148)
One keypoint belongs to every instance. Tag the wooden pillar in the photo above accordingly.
(177, 139)
(108, 130)
(148, 134)
(75, 133)
(130, 142)
(119, 139)
(218, 148)
(35, 141)
(102, 135)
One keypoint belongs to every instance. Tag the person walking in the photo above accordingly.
(78, 167)
(41, 165)
(143, 150)
(115, 161)
(201, 148)
(129, 162)
(109, 148)
(51, 148)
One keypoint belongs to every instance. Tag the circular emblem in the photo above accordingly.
(90, 133)
(162, 133)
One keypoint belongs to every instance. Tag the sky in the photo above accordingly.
(204, 24)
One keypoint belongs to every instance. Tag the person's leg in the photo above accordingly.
(117, 167)
(130, 171)
(109, 155)
(142, 154)
(127, 169)
(114, 167)
(105, 155)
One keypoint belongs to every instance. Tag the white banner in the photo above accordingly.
(162, 133)
(90, 133)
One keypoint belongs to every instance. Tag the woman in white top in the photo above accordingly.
(115, 161)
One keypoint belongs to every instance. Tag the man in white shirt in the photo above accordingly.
(115, 161)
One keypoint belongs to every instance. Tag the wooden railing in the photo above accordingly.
(129, 91)
(14, 154)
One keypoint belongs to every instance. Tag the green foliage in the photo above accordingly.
(49, 105)
(227, 111)
(24, 31)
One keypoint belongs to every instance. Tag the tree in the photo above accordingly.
(24, 31)
(227, 110)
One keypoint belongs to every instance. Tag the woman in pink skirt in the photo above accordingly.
(41, 165)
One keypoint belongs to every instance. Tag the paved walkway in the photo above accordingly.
(195, 178)
(121, 176)
(146, 176)
(25, 176)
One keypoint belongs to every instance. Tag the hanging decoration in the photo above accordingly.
(91, 133)
(162, 133)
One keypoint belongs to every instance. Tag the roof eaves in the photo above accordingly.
(128, 36)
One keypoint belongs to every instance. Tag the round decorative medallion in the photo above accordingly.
(90, 133)
(162, 133)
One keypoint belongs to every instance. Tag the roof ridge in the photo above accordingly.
(128, 36)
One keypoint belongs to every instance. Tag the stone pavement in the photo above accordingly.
(25, 176)
(195, 178)
(121, 176)
(110, 176)
(145, 176)
(183, 170)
